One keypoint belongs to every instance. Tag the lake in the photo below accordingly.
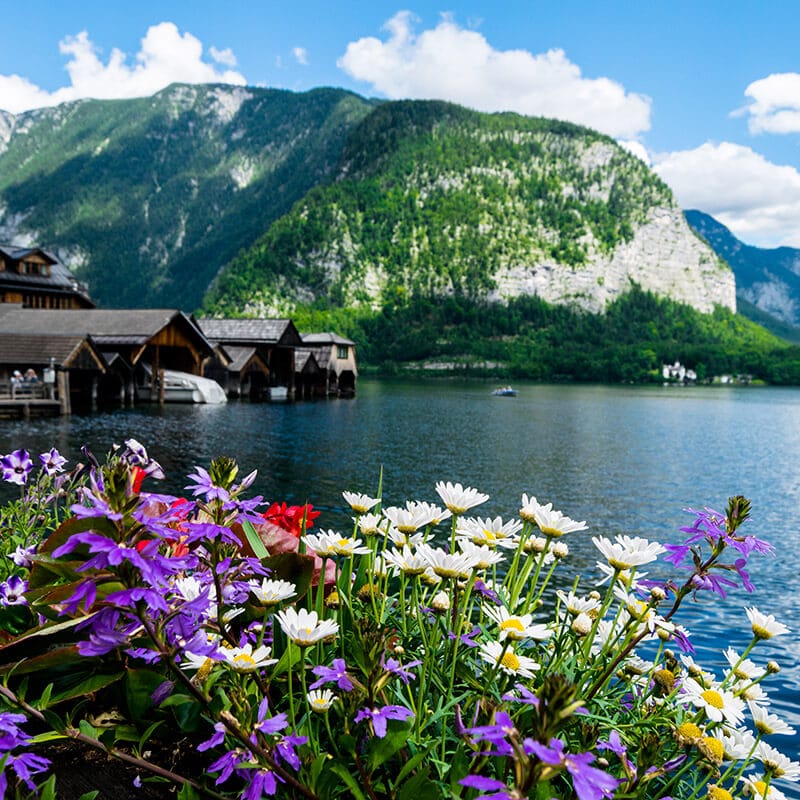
(625, 459)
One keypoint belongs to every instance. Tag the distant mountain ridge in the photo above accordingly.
(276, 199)
(767, 278)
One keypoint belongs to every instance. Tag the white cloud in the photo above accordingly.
(225, 57)
(774, 105)
(758, 200)
(451, 63)
(166, 56)
(301, 55)
(635, 148)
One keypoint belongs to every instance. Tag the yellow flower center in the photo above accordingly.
(714, 746)
(713, 698)
(617, 564)
(490, 536)
(689, 730)
(320, 702)
(553, 533)
(512, 624)
(244, 660)
(760, 632)
(718, 793)
(666, 679)
(407, 528)
(761, 787)
(510, 661)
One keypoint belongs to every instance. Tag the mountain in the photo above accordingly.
(766, 278)
(431, 199)
(146, 199)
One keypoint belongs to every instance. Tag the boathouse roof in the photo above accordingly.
(37, 349)
(57, 280)
(250, 331)
(317, 339)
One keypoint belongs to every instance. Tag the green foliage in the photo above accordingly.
(528, 338)
(433, 198)
(153, 195)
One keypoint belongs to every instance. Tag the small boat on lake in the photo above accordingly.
(183, 387)
(505, 391)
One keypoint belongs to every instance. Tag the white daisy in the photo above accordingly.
(428, 513)
(491, 532)
(406, 561)
(765, 626)
(304, 627)
(717, 703)
(756, 786)
(751, 692)
(554, 524)
(777, 764)
(403, 519)
(575, 605)
(369, 524)
(459, 499)
(736, 744)
(503, 656)
(448, 565)
(485, 556)
(743, 668)
(530, 505)
(331, 543)
(269, 591)
(517, 626)
(320, 700)
(360, 503)
(245, 659)
(627, 551)
(400, 538)
(767, 724)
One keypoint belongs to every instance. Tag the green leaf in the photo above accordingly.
(88, 730)
(381, 750)
(48, 789)
(253, 539)
(188, 792)
(148, 733)
(139, 687)
(412, 764)
(90, 795)
(88, 686)
(352, 784)
(419, 787)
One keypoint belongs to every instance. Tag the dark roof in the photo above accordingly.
(325, 338)
(59, 281)
(36, 350)
(250, 331)
(305, 360)
(241, 357)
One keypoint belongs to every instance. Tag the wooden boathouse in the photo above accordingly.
(99, 356)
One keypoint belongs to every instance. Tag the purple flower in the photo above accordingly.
(338, 673)
(262, 783)
(25, 765)
(286, 750)
(705, 581)
(379, 716)
(497, 789)
(403, 672)
(467, 639)
(496, 734)
(203, 484)
(490, 594)
(16, 467)
(52, 461)
(12, 591)
(22, 556)
(525, 696)
(589, 783)
(227, 763)
(217, 738)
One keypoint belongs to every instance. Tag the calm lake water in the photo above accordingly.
(625, 459)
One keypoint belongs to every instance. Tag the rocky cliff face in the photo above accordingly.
(664, 256)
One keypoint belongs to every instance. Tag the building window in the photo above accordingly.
(341, 351)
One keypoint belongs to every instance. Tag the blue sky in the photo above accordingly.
(707, 92)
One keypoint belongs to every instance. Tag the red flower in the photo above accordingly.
(294, 519)
(138, 477)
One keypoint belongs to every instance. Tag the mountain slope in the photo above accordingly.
(769, 279)
(432, 199)
(146, 199)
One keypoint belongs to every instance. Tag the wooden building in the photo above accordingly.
(272, 340)
(336, 357)
(34, 278)
(132, 344)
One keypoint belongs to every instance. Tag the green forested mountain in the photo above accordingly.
(431, 199)
(146, 199)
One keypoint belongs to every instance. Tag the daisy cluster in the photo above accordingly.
(428, 649)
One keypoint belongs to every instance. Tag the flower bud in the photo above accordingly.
(582, 624)
(658, 594)
(560, 550)
(440, 602)
(773, 667)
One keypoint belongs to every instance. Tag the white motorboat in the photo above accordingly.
(183, 387)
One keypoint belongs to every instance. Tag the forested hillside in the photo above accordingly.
(146, 199)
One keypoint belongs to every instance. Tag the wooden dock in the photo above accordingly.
(28, 401)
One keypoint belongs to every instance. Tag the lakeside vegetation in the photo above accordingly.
(529, 338)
